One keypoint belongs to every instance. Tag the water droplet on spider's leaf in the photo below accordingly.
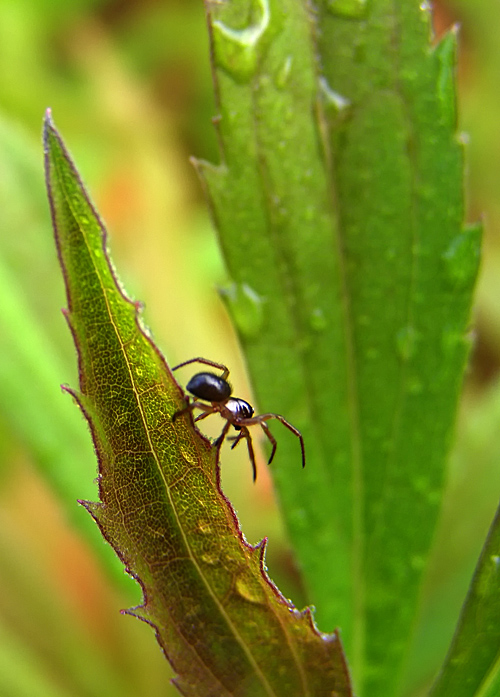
(210, 558)
(414, 386)
(406, 342)
(237, 50)
(353, 9)
(461, 259)
(418, 562)
(245, 306)
(249, 589)
(372, 353)
(205, 527)
(335, 104)
(317, 320)
(452, 341)
(284, 73)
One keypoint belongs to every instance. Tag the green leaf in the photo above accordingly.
(339, 207)
(223, 625)
(472, 667)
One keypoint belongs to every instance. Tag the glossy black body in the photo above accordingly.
(209, 387)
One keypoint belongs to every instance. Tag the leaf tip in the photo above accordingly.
(49, 128)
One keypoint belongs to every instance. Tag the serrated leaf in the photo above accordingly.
(339, 207)
(472, 667)
(223, 625)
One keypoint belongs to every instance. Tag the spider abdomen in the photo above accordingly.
(209, 387)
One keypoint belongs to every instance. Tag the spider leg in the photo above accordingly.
(262, 418)
(245, 433)
(220, 439)
(206, 361)
(236, 439)
(194, 405)
(271, 438)
(204, 415)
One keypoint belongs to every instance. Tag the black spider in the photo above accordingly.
(216, 390)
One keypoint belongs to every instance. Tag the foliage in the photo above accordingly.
(107, 84)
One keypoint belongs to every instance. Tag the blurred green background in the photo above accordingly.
(130, 89)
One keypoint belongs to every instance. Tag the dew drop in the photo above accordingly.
(210, 558)
(372, 354)
(451, 341)
(189, 454)
(237, 51)
(421, 484)
(245, 306)
(318, 320)
(347, 8)
(417, 562)
(461, 259)
(336, 104)
(406, 341)
(204, 527)
(284, 73)
(250, 590)
(414, 386)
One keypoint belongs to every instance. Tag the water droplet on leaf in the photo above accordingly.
(250, 590)
(347, 8)
(245, 307)
(237, 51)
(414, 386)
(406, 341)
(210, 558)
(417, 562)
(335, 104)
(451, 340)
(204, 527)
(284, 74)
(317, 320)
(461, 259)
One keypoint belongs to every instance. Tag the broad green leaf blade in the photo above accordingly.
(411, 268)
(223, 625)
(339, 208)
(472, 668)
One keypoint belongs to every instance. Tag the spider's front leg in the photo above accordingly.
(243, 433)
(271, 438)
(206, 361)
(206, 409)
(261, 420)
